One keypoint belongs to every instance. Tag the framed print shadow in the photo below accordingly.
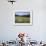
(23, 17)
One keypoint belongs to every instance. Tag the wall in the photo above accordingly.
(9, 31)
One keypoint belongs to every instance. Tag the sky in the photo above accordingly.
(22, 13)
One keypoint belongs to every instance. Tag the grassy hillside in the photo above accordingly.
(20, 19)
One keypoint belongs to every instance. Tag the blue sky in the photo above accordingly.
(22, 13)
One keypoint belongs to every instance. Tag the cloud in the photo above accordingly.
(22, 13)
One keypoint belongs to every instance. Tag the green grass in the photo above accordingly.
(20, 19)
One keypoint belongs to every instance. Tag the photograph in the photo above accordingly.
(23, 17)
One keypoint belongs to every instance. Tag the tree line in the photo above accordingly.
(24, 15)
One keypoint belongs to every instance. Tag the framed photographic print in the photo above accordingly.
(23, 17)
